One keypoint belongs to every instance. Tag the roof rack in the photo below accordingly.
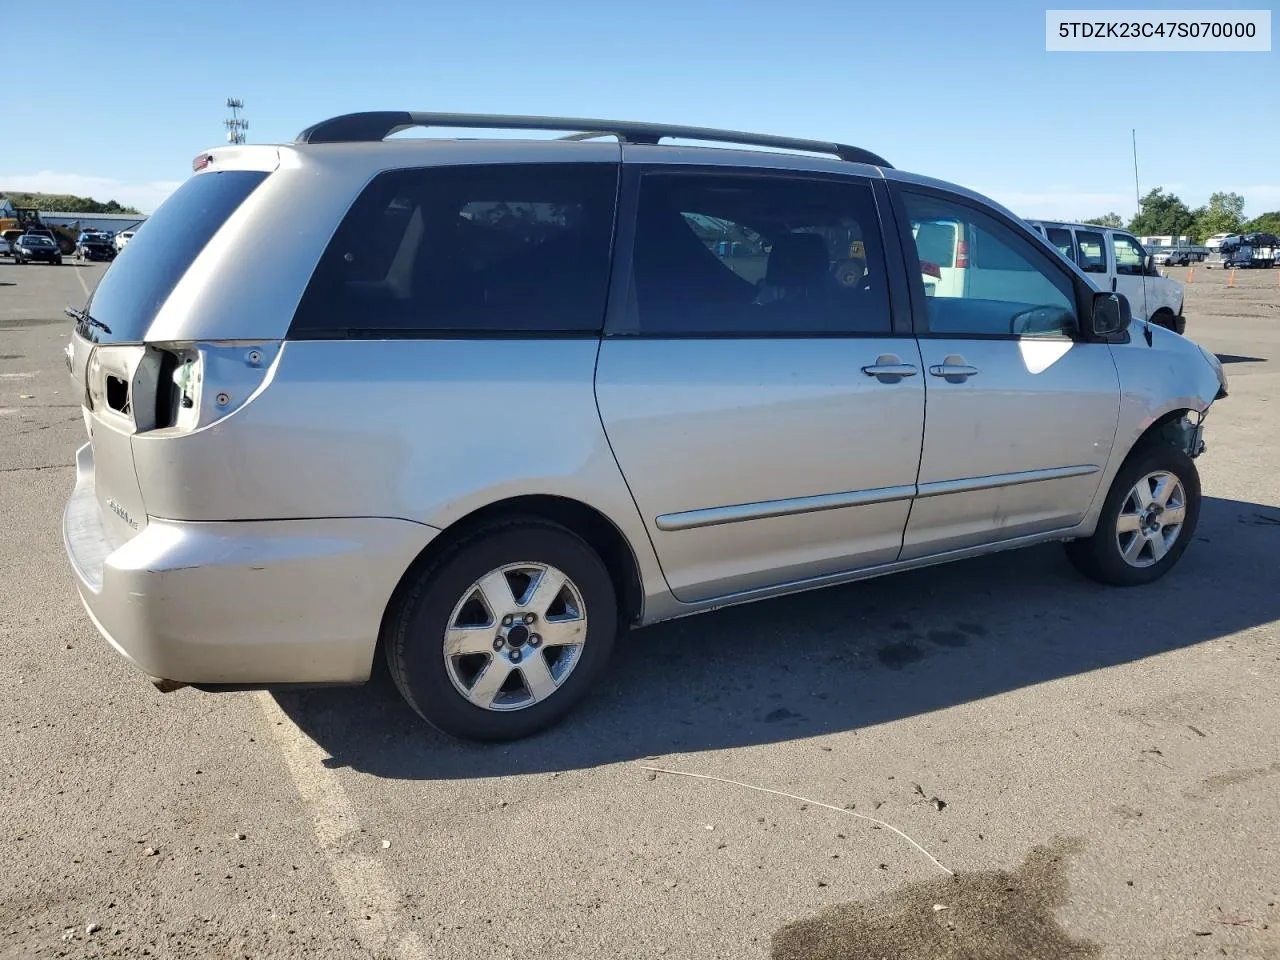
(378, 125)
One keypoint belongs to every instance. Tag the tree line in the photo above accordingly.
(1164, 214)
(66, 203)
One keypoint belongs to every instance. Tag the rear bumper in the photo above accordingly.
(247, 602)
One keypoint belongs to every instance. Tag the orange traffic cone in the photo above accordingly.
(1231, 278)
(1191, 276)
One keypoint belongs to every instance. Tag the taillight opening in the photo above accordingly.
(118, 394)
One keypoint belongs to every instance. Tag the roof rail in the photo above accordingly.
(377, 125)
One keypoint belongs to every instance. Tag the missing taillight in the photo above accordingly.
(118, 394)
(169, 395)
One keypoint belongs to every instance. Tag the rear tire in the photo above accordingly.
(1147, 520)
(508, 680)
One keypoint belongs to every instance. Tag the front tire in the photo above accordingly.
(1147, 520)
(504, 633)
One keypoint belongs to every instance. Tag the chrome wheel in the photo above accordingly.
(1151, 519)
(515, 636)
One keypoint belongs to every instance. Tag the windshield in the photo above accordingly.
(34, 241)
(132, 292)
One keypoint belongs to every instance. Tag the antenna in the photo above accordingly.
(235, 124)
(1137, 194)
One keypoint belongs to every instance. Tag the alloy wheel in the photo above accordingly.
(515, 636)
(1151, 519)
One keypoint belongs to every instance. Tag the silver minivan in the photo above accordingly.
(487, 404)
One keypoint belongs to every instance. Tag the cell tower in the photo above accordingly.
(236, 124)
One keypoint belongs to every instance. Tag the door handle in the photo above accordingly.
(889, 368)
(953, 369)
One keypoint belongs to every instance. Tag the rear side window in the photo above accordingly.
(1061, 238)
(1093, 251)
(757, 255)
(936, 241)
(131, 293)
(512, 249)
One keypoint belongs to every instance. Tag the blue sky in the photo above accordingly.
(959, 90)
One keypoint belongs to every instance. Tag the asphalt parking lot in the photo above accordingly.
(1099, 768)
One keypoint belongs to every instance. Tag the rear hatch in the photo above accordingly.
(129, 385)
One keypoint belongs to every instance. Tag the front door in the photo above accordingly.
(765, 413)
(1020, 412)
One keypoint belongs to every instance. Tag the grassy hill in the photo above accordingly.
(64, 202)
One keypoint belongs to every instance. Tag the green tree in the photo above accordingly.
(1162, 214)
(1106, 220)
(1224, 214)
(1267, 223)
(65, 203)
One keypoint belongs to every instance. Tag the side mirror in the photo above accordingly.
(1111, 314)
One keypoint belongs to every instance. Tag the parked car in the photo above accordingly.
(499, 401)
(95, 247)
(36, 248)
(4, 247)
(122, 239)
(1116, 261)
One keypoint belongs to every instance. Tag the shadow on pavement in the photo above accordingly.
(1232, 358)
(841, 658)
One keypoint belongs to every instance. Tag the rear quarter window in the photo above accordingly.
(516, 249)
(131, 293)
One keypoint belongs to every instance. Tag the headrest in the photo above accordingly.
(797, 260)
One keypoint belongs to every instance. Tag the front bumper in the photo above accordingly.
(239, 603)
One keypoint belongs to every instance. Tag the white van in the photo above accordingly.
(1115, 261)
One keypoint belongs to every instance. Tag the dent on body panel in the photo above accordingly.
(419, 430)
(1155, 380)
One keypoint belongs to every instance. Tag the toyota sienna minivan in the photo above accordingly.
(481, 406)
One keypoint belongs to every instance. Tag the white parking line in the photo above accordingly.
(373, 904)
(83, 286)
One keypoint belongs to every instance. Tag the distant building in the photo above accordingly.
(1166, 241)
(106, 222)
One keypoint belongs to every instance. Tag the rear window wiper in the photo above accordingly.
(82, 317)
